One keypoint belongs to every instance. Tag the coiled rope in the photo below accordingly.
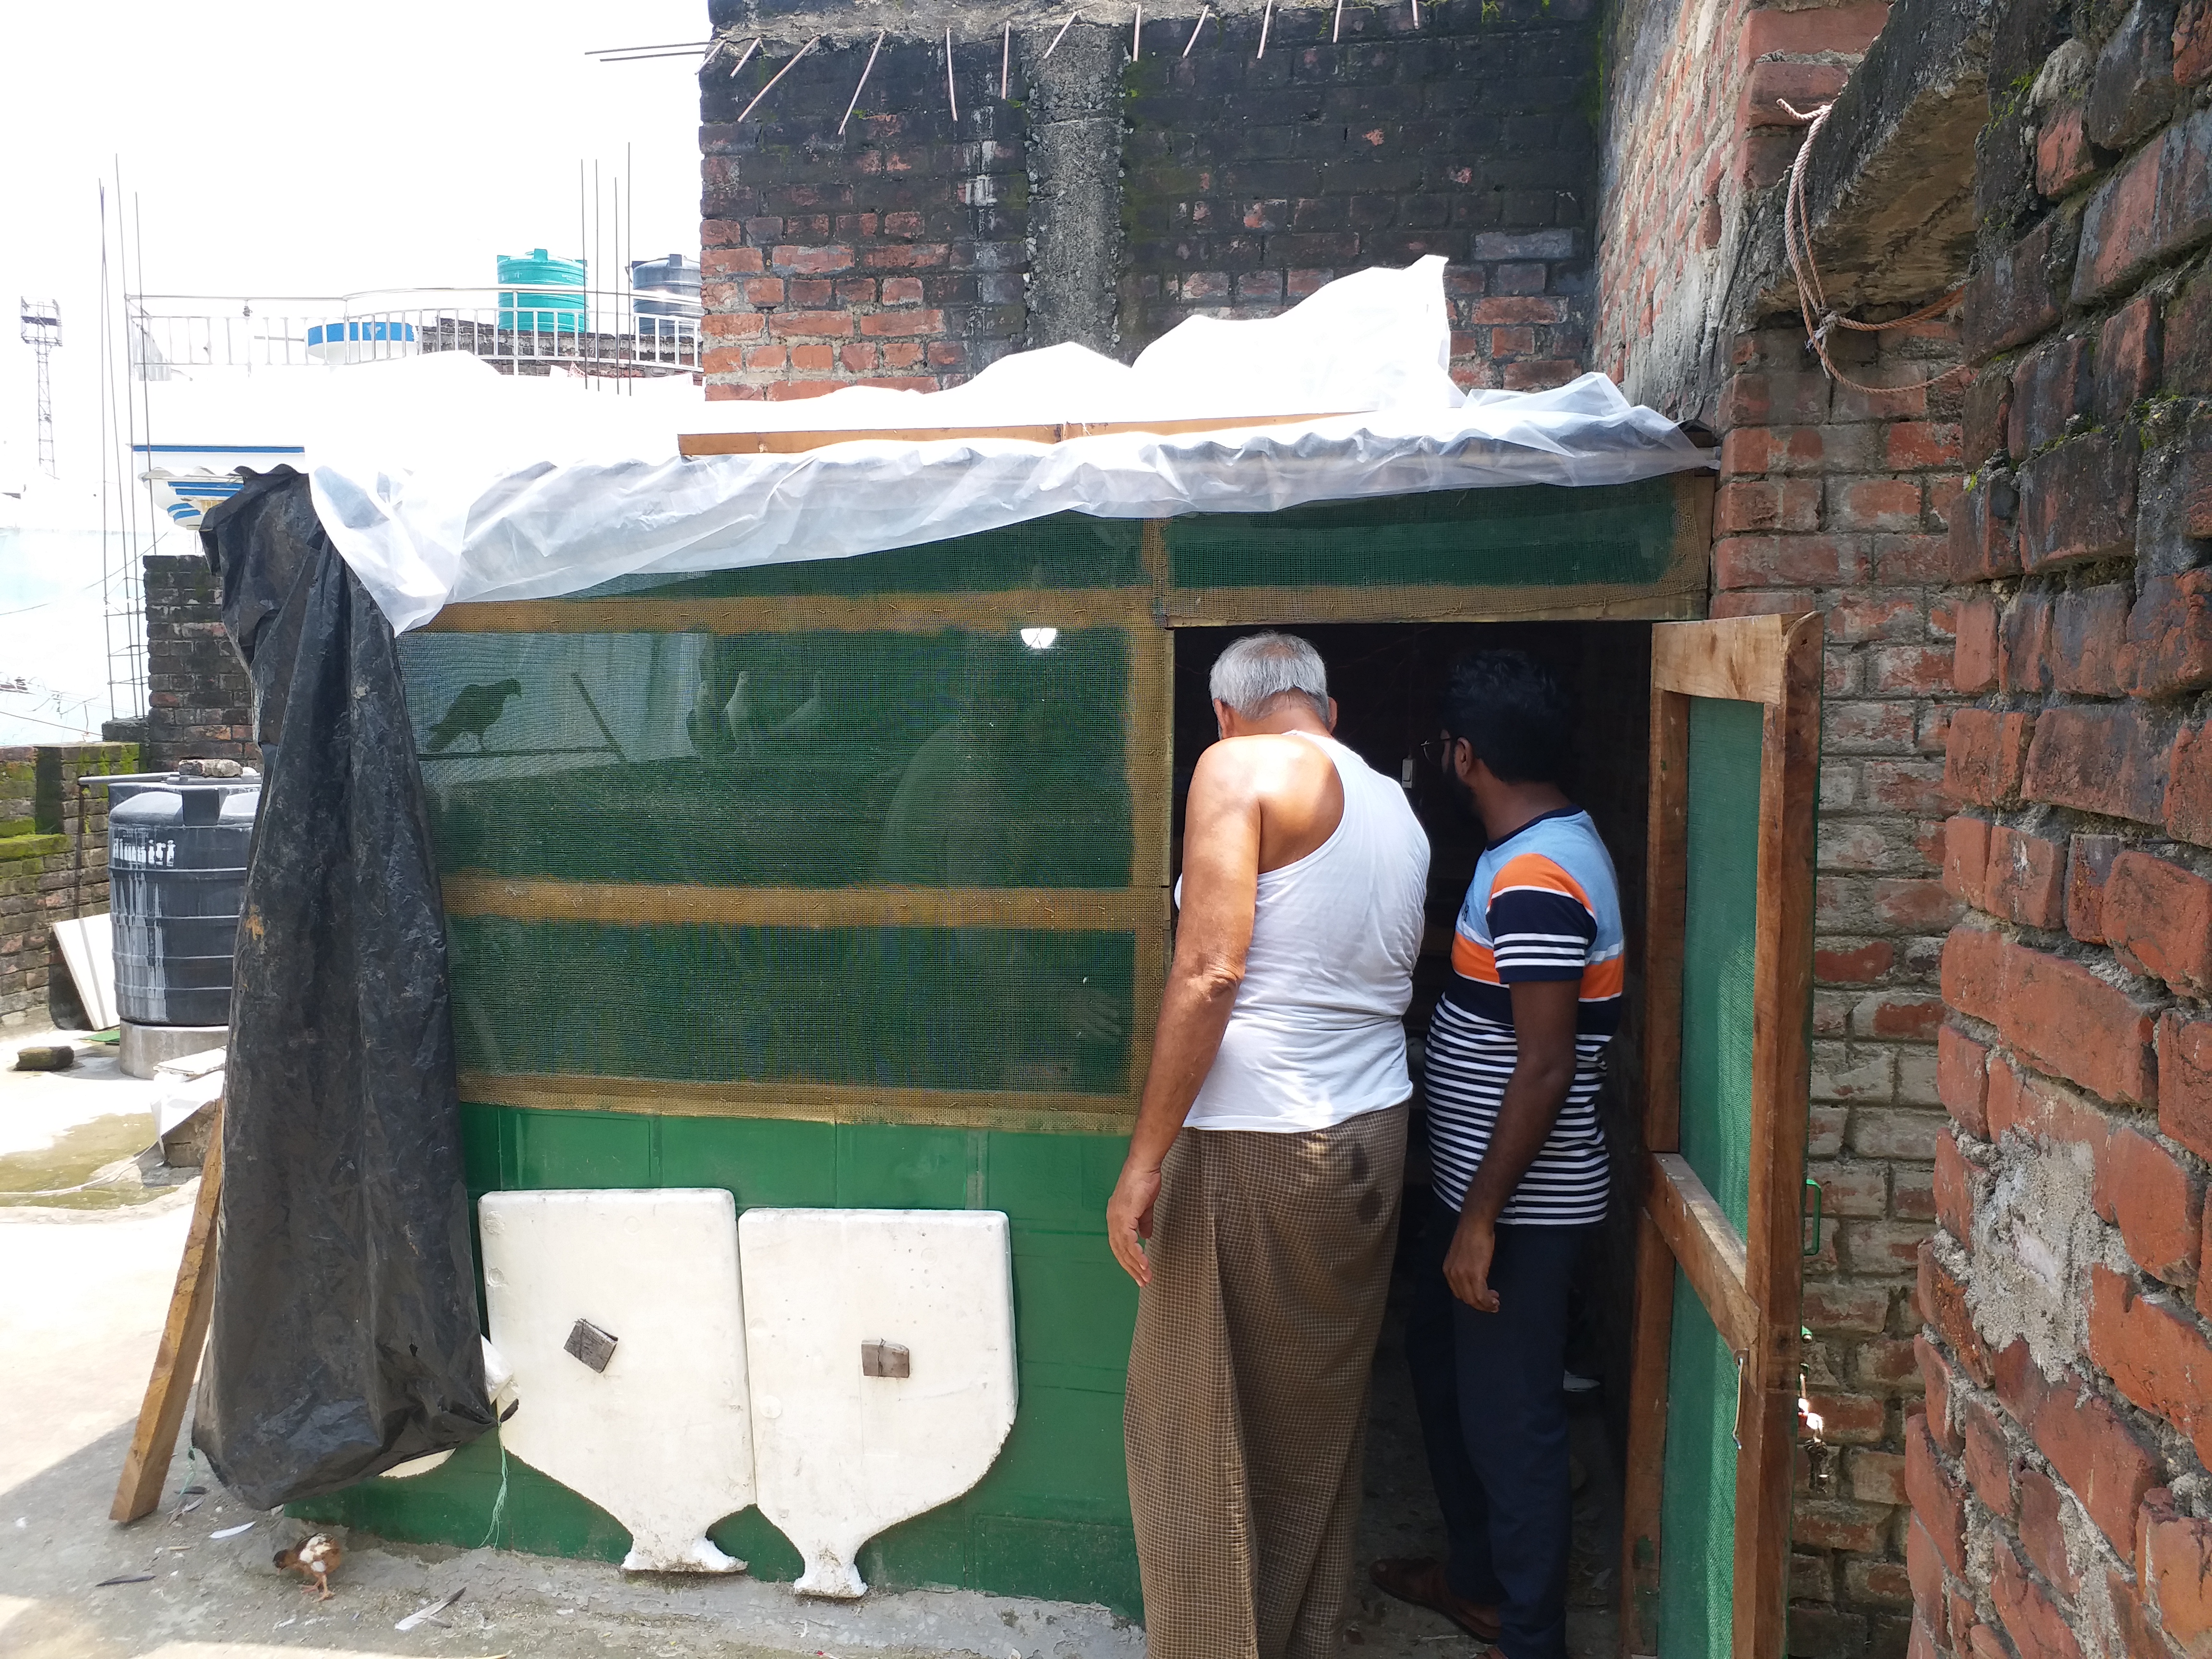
(1820, 317)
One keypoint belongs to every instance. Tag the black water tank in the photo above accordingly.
(176, 871)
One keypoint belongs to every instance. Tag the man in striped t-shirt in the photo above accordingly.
(1513, 1059)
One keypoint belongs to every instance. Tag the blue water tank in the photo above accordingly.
(176, 873)
(552, 302)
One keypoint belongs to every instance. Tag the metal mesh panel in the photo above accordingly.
(1698, 1515)
(1719, 942)
(1536, 536)
(882, 865)
(958, 758)
(1066, 550)
(893, 1008)
(1697, 1518)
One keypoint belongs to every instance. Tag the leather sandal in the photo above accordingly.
(1422, 1583)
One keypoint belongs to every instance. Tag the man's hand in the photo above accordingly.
(1466, 1264)
(1129, 1219)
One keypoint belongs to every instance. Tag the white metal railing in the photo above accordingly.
(528, 330)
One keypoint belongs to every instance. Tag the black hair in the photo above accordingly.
(1513, 714)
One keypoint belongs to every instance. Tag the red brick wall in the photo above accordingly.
(2059, 1481)
(906, 251)
(1692, 128)
(1837, 501)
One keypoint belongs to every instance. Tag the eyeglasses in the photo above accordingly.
(1437, 751)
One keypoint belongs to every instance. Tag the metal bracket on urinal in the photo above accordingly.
(590, 1345)
(881, 1358)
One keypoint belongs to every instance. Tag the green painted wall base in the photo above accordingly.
(1051, 1519)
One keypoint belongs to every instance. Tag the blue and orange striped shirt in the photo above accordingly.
(1544, 905)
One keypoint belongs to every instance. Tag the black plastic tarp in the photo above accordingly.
(344, 1337)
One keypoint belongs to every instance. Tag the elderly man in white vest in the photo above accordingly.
(1257, 1209)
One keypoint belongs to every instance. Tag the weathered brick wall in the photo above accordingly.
(1106, 198)
(1692, 133)
(47, 874)
(1249, 182)
(1837, 500)
(199, 702)
(2062, 1502)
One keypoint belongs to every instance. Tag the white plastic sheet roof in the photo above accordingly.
(439, 480)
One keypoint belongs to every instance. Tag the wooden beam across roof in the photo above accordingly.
(1053, 432)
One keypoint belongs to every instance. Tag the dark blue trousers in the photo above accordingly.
(1494, 1421)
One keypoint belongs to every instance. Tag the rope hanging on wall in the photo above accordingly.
(1812, 299)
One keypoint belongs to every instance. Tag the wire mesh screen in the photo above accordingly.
(1537, 537)
(951, 1008)
(1698, 1517)
(804, 843)
(960, 758)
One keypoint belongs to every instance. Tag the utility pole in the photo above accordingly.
(42, 332)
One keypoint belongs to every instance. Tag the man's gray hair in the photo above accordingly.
(1256, 671)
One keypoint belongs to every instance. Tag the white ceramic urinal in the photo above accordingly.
(658, 1438)
(838, 1303)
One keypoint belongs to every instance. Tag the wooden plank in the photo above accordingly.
(1702, 1240)
(1738, 658)
(1676, 595)
(1643, 1487)
(1034, 1110)
(177, 1360)
(805, 613)
(1666, 885)
(1781, 1070)
(649, 904)
(1052, 432)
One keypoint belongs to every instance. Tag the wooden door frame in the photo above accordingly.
(1750, 1283)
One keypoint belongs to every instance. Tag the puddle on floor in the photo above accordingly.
(91, 1166)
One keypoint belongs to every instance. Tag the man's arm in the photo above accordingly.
(1220, 890)
(1543, 1069)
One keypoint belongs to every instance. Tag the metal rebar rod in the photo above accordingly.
(777, 76)
(1204, 12)
(865, 70)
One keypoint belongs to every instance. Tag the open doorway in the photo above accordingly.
(1387, 678)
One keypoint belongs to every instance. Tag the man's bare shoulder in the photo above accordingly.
(1267, 767)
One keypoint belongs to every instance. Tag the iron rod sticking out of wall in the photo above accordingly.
(1064, 28)
(777, 76)
(1267, 17)
(745, 57)
(951, 96)
(1006, 59)
(1137, 35)
(1336, 29)
(865, 70)
(1203, 12)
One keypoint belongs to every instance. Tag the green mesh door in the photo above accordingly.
(1720, 919)
(1735, 746)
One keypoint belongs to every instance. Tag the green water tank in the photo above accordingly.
(538, 294)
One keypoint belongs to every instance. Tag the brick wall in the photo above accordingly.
(199, 702)
(1693, 137)
(2062, 1502)
(45, 876)
(1106, 198)
(1837, 500)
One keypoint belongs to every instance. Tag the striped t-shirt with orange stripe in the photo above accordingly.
(1544, 905)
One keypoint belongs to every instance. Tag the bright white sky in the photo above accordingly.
(302, 149)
